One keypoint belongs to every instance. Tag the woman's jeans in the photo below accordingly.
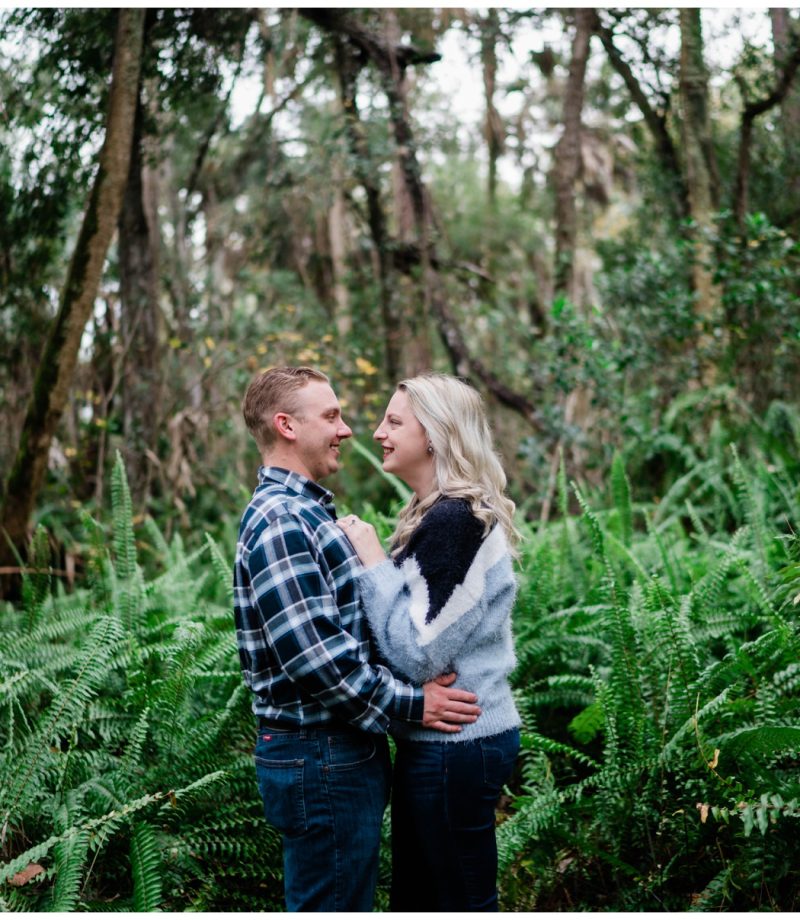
(325, 791)
(444, 851)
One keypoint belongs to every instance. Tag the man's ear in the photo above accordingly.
(284, 425)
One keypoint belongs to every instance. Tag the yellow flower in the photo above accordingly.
(210, 343)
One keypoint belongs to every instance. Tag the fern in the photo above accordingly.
(145, 868)
(762, 740)
(222, 568)
(70, 860)
(621, 490)
(36, 578)
(122, 522)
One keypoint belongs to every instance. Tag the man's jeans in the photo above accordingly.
(326, 792)
(444, 850)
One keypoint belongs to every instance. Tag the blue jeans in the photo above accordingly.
(444, 851)
(326, 791)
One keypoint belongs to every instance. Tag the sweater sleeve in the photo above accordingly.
(424, 610)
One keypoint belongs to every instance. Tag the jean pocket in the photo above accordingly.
(499, 755)
(280, 783)
(348, 751)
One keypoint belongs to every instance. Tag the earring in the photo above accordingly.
(430, 448)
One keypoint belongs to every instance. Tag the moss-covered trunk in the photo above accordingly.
(701, 183)
(141, 322)
(567, 168)
(60, 354)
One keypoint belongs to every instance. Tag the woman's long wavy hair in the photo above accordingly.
(465, 463)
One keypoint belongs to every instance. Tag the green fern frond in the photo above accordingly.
(595, 530)
(223, 569)
(122, 522)
(145, 868)
(588, 723)
(70, 860)
(36, 578)
(66, 708)
(760, 740)
(621, 490)
(716, 893)
(753, 508)
(535, 741)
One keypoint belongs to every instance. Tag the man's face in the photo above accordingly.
(320, 428)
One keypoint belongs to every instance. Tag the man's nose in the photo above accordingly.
(345, 431)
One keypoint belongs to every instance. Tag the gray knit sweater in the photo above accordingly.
(444, 604)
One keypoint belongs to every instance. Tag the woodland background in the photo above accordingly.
(590, 214)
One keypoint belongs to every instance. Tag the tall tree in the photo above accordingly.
(141, 321)
(60, 355)
(654, 114)
(785, 36)
(494, 132)
(567, 166)
(389, 61)
(348, 64)
(786, 73)
(701, 177)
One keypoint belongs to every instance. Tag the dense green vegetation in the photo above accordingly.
(657, 672)
(606, 247)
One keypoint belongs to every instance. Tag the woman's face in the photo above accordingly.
(405, 443)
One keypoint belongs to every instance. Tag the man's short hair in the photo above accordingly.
(274, 391)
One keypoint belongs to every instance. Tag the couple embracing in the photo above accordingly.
(341, 644)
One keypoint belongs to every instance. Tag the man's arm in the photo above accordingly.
(301, 623)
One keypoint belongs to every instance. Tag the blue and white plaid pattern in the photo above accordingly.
(304, 643)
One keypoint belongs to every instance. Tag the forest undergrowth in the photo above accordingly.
(658, 669)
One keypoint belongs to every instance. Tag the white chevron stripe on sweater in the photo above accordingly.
(465, 595)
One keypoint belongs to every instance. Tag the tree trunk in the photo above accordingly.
(60, 354)
(387, 60)
(410, 207)
(140, 322)
(568, 158)
(655, 120)
(493, 126)
(347, 66)
(700, 167)
(784, 35)
(751, 111)
(338, 238)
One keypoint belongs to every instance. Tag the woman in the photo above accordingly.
(442, 603)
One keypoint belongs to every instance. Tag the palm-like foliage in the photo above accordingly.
(657, 678)
(125, 768)
(659, 686)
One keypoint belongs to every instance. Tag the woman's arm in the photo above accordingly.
(451, 580)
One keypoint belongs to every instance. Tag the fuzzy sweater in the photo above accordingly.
(444, 604)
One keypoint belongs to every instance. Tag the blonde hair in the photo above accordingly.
(465, 463)
(274, 391)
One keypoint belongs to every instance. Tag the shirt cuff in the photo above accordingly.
(409, 704)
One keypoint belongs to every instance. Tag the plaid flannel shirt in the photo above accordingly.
(304, 643)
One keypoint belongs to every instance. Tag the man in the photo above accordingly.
(322, 758)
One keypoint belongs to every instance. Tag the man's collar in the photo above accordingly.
(296, 482)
